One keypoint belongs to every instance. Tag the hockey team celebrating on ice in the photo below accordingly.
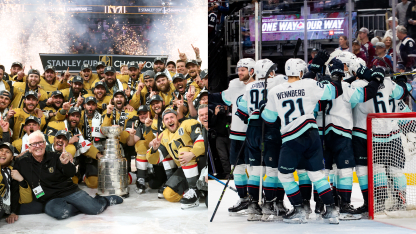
(312, 121)
(51, 139)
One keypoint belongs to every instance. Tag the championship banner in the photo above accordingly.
(61, 62)
(291, 27)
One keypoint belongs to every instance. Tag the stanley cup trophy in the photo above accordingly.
(112, 167)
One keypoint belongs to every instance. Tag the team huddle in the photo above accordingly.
(161, 112)
(311, 123)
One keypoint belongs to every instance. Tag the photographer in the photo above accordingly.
(220, 132)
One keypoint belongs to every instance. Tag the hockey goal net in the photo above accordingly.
(391, 151)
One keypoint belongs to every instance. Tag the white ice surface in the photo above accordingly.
(223, 223)
(143, 213)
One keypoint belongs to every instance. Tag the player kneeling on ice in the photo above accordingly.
(49, 175)
(248, 110)
(185, 144)
(294, 102)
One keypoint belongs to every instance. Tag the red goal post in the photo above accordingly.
(372, 150)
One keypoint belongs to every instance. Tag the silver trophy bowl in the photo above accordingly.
(112, 167)
(112, 131)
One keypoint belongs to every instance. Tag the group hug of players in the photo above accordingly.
(291, 107)
(157, 109)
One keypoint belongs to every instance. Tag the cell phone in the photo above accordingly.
(192, 89)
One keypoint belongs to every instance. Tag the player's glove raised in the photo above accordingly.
(401, 79)
(319, 61)
(378, 74)
(336, 67)
(364, 73)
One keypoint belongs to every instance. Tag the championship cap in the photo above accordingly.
(63, 133)
(33, 71)
(171, 62)
(159, 74)
(143, 108)
(90, 99)
(85, 66)
(133, 64)
(17, 64)
(189, 61)
(159, 59)
(78, 79)
(56, 93)
(155, 98)
(364, 30)
(109, 69)
(8, 145)
(6, 93)
(121, 92)
(99, 83)
(148, 74)
(168, 111)
(100, 63)
(178, 76)
(204, 73)
(50, 67)
(74, 109)
(203, 92)
(32, 118)
(31, 93)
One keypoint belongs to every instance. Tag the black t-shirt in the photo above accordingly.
(53, 176)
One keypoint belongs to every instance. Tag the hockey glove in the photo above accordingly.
(319, 61)
(378, 75)
(336, 67)
(309, 75)
(364, 73)
(401, 79)
(243, 116)
(262, 105)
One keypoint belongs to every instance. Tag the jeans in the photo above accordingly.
(78, 202)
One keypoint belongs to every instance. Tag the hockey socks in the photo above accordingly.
(191, 174)
(240, 180)
(254, 183)
(344, 184)
(270, 183)
(322, 186)
(291, 188)
(362, 175)
(141, 165)
(305, 185)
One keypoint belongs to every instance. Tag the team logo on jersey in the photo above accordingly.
(347, 162)
(180, 131)
(50, 169)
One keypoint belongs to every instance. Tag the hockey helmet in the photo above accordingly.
(355, 64)
(295, 66)
(263, 68)
(249, 63)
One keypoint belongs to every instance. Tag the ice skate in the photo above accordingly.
(254, 211)
(240, 208)
(331, 214)
(141, 186)
(269, 212)
(307, 207)
(363, 210)
(347, 212)
(160, 191)
(296, 215)
(280, 208)
(190, 199)
(319, 207)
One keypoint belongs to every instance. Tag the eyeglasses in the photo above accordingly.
(36, 144)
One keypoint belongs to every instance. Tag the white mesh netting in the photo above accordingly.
(394, 167)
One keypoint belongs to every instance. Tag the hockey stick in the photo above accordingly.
(228, 181)
(297, 46)
(215, 178)
(211, 160)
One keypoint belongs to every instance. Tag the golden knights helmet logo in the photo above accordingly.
(108, 60)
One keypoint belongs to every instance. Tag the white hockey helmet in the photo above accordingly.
(249, 63)
(355, 64)
(263, 68)
(295, 66)
(346, 57)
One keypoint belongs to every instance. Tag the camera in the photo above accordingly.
(222, 110)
